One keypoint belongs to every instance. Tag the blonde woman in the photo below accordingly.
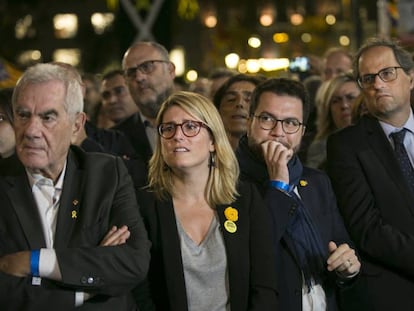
(211, 247)
(334, 101)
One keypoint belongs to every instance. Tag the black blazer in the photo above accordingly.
(249, 255)
(378, 209)
(134, 130)
(97, 193)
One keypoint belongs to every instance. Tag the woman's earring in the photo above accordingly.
(212, 160)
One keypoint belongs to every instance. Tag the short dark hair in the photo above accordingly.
(112, 73)
(218, 96)
(403, 57)
(282, 86)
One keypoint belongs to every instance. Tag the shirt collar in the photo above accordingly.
(34, 178)
(388, 128)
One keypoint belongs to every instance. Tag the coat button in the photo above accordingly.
(292, 209)
(90, 280)
(83, 280)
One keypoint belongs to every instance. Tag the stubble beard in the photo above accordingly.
(150, 107)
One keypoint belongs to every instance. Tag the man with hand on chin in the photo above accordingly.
(314, 261)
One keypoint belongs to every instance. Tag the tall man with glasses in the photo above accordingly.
(150, 78)
(370, 165)
(313, 258)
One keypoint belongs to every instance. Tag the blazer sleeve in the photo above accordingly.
(109, 270)
(263, 293)
(363, 189)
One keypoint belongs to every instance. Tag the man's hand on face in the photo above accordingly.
(277, 156)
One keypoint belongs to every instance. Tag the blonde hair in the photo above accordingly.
(324, 122)
(222, 180)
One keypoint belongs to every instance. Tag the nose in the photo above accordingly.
(378, 83)
(112, 98)
(179, 134)
(278, 129)
(139, 76)
(32, 128)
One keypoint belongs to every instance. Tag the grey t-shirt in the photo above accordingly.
(205, 270)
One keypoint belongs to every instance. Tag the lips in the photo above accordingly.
(239, 117)
(181, 149)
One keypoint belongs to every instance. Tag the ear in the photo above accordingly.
(171, 69)
(411, 75)
(212, 146)
(78, 124)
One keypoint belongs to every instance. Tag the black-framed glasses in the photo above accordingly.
(289, 125)
(117, 91)
(189, 128)
(146, 67)
(387, 75)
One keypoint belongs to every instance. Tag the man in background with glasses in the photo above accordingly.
(150, 77)
(370, 165)
(313, 256)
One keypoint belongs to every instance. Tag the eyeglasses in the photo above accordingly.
(189, 128)
(117, 91)
(289, 125)
(348, 98)
(387, 75)
(146, 68)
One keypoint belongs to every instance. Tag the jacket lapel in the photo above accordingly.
(174, 273)
(382, 149)
(70, 202)
(23, 203)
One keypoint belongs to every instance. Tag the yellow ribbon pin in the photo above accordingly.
(303, 183)
(74, 215)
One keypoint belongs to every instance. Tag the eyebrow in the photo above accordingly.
(232, 92)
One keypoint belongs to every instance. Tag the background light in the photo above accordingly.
(232, 60)
(191, 75)
(344, 40)
(296, 19)
(210, 21)
(66, 25)
(177, 56)
(254, 42)
(330, 19)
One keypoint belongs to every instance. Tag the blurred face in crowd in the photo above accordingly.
(335, 64)
(43, 127)
(273, 107)
(234, 107)
(91, 97)
(341, 104)
(7, 139)
(389, 101)
(149, 76)
(116, 99)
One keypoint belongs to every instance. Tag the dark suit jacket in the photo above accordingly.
(249, 255)
(378, 209)
(98, 189)
(134, 130)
